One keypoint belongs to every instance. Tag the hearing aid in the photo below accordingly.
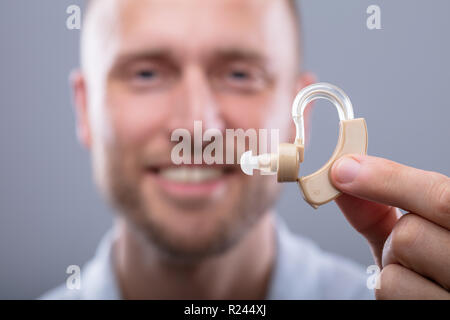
(317, 188)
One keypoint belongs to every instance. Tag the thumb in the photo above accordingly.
(373, 220)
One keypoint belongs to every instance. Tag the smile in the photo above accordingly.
(188, 181)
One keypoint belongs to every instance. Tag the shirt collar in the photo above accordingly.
(99, 282)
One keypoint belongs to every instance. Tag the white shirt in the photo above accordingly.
(301, 271)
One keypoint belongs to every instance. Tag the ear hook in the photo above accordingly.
(315, 91)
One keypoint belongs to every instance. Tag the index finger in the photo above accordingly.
(376, 179)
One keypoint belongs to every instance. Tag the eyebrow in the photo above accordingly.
(152, 54)
(228, 54)
(240, 54)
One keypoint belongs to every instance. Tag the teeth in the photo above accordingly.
(194, 174)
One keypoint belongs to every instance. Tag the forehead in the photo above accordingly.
(198, 27)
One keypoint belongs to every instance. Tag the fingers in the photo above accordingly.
(380, 180)
(421, 246)
(418, 248)
(397, 282)
(373, 220)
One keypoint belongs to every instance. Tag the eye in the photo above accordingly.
(239, 75)
(146, 74)
(146, 78)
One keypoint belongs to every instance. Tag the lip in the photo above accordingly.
(190, 190)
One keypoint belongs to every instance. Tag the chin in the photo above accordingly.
(185, 233)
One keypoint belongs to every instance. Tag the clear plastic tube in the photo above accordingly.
(315, 91)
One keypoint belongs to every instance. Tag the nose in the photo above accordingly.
(195, 101)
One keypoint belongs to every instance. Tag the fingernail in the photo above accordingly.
(346, 169)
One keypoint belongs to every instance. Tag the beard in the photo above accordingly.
(181, 231)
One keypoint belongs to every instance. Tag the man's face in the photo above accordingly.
(152, 66)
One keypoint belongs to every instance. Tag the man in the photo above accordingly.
(209, 232)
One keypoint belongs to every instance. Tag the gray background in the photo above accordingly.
(51, 214)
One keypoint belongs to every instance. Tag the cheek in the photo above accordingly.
(244, 111)
(136, 117)
(270, 110)
(280, 119)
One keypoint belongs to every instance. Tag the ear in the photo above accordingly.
(304, 79)
(79, 94)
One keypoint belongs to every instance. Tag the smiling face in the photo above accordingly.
(153, 66)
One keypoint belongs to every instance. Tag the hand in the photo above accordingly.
(413, 250)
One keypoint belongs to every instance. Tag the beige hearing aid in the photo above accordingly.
(317, 188)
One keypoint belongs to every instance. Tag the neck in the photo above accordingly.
(242, 272)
